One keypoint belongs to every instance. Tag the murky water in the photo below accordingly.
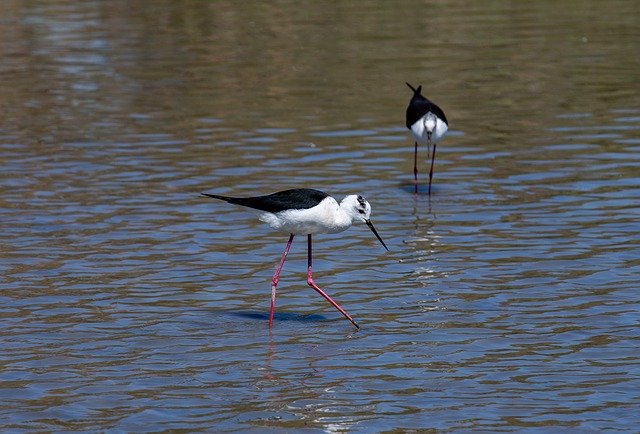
(509, 300)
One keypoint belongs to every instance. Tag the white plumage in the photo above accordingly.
(328, 217)
(429, 129)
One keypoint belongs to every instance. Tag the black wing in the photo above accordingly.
(420, 106)
(297, 198)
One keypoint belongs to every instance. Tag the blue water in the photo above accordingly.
(508, 300)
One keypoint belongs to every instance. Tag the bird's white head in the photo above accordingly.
(430, 121)
(357, 208)
(434, 127)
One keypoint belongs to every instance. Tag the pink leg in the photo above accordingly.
(433, 157)
(415, 166)
(312, 284)
(276, 278)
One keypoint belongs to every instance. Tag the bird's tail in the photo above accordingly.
(244, 201)
(415, 91)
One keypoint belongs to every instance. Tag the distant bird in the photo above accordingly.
(428, 124)
(306, 211)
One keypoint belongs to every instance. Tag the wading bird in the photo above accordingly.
(428, 124)
(306, 211)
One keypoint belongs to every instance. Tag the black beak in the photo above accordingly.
(368, 222)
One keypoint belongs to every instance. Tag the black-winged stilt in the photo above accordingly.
(428, 124)
(306, 211)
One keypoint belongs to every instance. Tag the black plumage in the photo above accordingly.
(420, 106)
(297, 198)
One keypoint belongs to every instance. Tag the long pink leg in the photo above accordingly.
(312, 284)
(415, 166)
(433, 157)
(276, 279)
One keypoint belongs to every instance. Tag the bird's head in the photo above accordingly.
(359, 209)
(430, 122)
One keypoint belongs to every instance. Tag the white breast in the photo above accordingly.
(429, 123)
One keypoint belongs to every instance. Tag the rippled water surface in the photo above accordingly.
(508, 302)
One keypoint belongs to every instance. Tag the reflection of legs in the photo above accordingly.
(312, 284)
(415, 166)
(276, 278)
(433, 157)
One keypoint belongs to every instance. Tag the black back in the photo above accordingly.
(420, 106)
(297, 198)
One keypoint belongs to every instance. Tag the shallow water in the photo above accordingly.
(508, 301)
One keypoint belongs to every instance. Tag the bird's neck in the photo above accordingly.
(342, 218)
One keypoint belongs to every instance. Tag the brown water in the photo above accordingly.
(508, 302)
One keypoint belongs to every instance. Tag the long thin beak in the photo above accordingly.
(368, 222)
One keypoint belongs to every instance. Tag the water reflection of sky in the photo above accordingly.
(129, 302)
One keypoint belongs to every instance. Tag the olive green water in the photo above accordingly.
(509, 300)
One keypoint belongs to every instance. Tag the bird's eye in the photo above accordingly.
(361, 211)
